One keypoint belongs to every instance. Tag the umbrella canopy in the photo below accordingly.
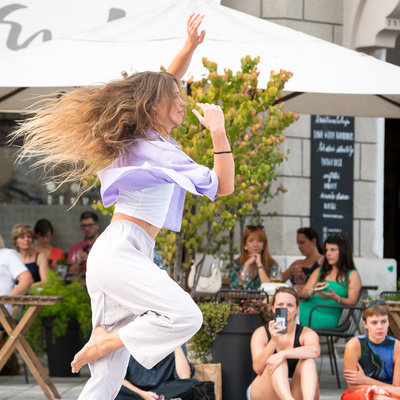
(327, 78)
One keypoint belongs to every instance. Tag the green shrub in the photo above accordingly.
(75, 304)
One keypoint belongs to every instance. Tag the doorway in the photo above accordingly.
(392, 191)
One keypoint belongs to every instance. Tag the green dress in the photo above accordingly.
(324, 317)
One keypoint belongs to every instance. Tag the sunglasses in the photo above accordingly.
(254, 227)
(375, 303)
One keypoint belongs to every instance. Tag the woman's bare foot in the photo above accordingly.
(101, 343)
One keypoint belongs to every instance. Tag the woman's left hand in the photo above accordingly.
(331, 295)
(258, 260)
(213, 117)
(357, 377)
(194, 38)
(273, 362)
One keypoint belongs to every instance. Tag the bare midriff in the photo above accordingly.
(150, 229)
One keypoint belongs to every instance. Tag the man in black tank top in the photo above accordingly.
(284, 362)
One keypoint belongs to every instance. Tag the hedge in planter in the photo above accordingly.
(75, 305)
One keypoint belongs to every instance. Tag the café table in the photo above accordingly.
(17, 341)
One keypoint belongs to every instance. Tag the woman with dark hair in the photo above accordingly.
(122, 132)
(300, 270)
(44, 231)
(251, 268)
(284, 357)
(336, 282)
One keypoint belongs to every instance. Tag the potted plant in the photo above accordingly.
(225, 338)
(61, 329)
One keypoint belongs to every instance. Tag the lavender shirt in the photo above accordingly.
(148, 163)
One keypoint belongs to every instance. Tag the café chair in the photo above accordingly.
(237, 295)
(347, 327)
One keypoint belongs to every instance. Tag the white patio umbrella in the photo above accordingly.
(328, 79)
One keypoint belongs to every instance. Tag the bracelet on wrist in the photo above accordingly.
(260, 266)
(223, 152)
(339, 300)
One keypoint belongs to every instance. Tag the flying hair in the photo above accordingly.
(75, 134)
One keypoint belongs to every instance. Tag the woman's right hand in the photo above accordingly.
(295, 268)
(149, 395)
(275, 333)
(251, 260)
(213, 118)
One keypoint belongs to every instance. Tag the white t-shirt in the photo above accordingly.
(11, 267)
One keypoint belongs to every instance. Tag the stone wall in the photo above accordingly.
(323, 19)
(66, 222)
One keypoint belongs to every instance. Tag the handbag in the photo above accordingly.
(204, 391)
(206, 284)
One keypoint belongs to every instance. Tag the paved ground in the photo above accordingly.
(15, 388)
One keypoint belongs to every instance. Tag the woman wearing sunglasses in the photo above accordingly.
(372, 360)
(252, 267)
(336, 282)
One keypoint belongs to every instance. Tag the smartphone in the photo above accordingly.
(281, 318)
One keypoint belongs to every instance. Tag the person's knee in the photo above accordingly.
(196, 318)
(308, 363)
(190, 317)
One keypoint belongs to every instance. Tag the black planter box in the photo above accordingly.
(232, 349)
(62, 351)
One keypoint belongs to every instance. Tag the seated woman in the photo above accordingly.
(284, 362)
(22, 237)
(335, 282)
(170, 378)
(44, 231)
(252, 267)
(372, 360)
(300, 270)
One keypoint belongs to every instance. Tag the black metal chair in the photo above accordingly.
(237, 295)
(347, 327)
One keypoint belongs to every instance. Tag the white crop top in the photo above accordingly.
(150, 204)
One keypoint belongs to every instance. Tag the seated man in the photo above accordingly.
(284, 362)
(12, 269)
(79, 252)
(168, 379)
(372, 360)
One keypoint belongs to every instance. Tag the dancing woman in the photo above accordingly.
(136, 308)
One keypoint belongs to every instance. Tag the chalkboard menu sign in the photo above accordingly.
(332, 168)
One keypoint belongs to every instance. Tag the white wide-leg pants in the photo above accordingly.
(130, 294)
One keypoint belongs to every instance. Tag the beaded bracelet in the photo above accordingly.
(222, 152)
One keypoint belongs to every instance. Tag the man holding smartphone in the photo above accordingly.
(284, 354)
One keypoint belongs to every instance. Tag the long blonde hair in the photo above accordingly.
(82, 131)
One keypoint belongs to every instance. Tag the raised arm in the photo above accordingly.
(181, 61)
(224, 166)
(261, 348)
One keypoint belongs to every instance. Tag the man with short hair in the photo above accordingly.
(78, 252)
(372, 360)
